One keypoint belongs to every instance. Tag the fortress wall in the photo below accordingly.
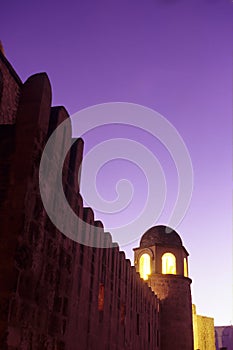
(10, 87)
(54, 292)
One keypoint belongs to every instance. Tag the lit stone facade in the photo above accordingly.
(203, 330)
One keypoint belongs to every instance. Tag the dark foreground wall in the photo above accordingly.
(56, 293)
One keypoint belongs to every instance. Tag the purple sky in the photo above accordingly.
(170, 55)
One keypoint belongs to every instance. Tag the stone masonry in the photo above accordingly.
(57, 294)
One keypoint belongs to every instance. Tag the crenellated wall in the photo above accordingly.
(56, 293)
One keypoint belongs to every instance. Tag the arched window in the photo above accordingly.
(144, 266)
(169, 264)
(185, 268)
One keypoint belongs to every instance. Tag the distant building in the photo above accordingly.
(203, 330)
(224, 337)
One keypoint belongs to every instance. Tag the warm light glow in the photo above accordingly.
(169, 263)
(185, 268)
(144, 266)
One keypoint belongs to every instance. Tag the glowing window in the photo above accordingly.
(144, 266)
(169, 263)
(185, 268)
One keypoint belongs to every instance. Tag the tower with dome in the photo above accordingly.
(162, 261)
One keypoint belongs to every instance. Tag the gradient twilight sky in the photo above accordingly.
(174, 56)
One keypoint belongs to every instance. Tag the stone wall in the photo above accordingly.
(56, 293)
(10, 85)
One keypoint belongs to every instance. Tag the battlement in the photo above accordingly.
(56, 293)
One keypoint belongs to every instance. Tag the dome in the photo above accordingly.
(160, 235)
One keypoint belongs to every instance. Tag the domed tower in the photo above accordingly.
(162, 262)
